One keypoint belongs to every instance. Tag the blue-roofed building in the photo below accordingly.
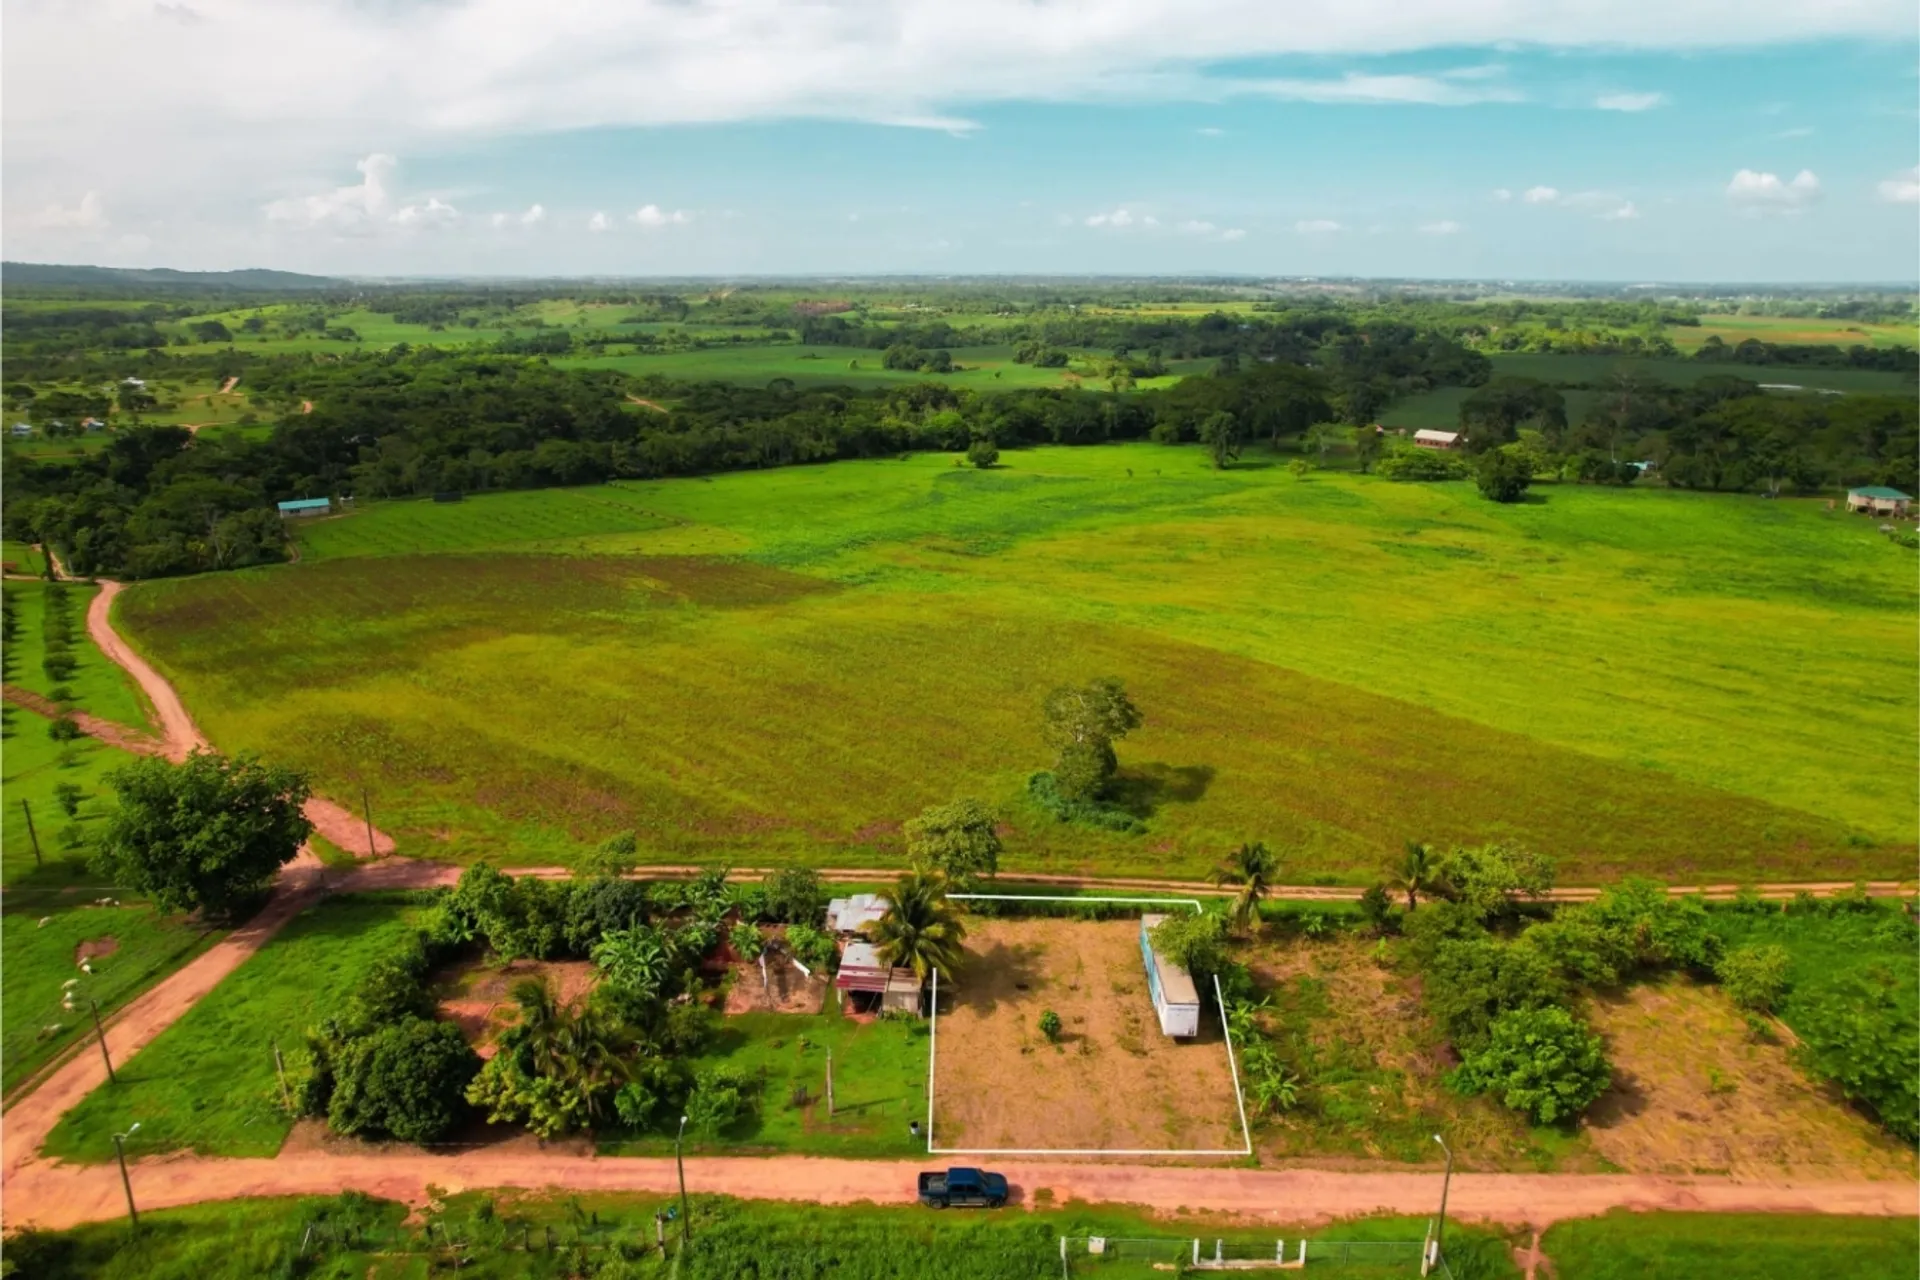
(1879, 500)
(307, 507)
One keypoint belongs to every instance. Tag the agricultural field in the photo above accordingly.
(976, 368)
(96, 685)
(1335, 664)
(1799, 330)
(1628, 1246)
(208, 1083)
(1108, 1080)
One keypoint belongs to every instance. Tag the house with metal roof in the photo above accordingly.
(307, 507)
(848, 915)
(1427, 439)
(1878, 500)
(872, 986)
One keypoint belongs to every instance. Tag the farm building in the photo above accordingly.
(847, 915)
(1428, 439)
(872, 986)
(307, 507)
(21, 430)
(1175, 998)
(1878, 500)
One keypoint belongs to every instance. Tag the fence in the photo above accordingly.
(1119, 1256)
(582, 1240)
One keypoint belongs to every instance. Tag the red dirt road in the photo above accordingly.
(55, 1196)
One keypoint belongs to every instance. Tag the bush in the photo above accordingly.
(1541, 1061)
(983, 453)
(1411, 464)
(794, 896)
(721, 1097)
(1050, 1026)
(68, 797)
(1044, 790)
(1493, 878)
(64, 729)
(408, 1080)
(1503, 474)
(1197, 943)
(1857, 1032)
(815, 948)
(1471, 983)
(1754, 976)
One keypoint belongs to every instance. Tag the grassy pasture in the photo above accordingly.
(981, 368)
(1734, 330)
(97, 685)
(1594, 370)
(1628, 1246)
(34, 768)
(207, 1083)
(1336, 664)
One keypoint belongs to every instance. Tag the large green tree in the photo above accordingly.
(207, 834)
(1542, 1061)
(921, 930)
(407, 1080)
(1081, 725)
(1220, 432)
(958, 840)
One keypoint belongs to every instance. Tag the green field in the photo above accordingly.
(33, 767)
(208, 1083)
(783, 665)
(978, 368)
(22, 557)
(1633, 1246)
(880, 1083)
(40, 958)
(506, 1234)
(97, 685)
(1734, 330)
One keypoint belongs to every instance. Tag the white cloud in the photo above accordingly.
(344, 207)
(89, 215)
(1357, 88)
(1625, 212)
(1902, 188)
(1630, 101)
(1233, 233)
(1209, 131)
(1445, 227)
(434, 213)
(1118, 218)
(652, 217)
(1502, 194)
(1197, 227)
(1315, 226)
(1541, 195)
(599, 222)
(1764, 192)
(534, 216)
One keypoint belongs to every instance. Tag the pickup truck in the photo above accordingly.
(963, 1187)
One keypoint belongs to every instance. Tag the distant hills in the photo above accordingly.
(46, 274)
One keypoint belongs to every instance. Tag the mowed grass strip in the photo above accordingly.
(1629, 1246)
(33, 768)
(131, 947)
(1688, 684)
(207, 1083)
(97, 685)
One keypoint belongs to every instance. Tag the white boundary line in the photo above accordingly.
(933, 1041)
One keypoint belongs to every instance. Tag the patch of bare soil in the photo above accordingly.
(782, 989)
(1113, 1081)
(1695, 1092)
(478, 997)
(94, 948)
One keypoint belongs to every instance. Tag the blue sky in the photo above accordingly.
(1485, 139)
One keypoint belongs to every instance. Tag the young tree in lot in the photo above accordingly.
(983, 453)
(1417, 872)
(921, 930)
(1493, 878)
(794, 895)
(407, 1080)
(1250, 870)
(635, 960)
(207, 834)
(958, 840)
(1197, 942)
(1503, 474)
(1082, 724)
(1220, 432)
(1542, 1061)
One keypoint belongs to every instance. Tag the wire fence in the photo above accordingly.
(1118, 1256)
(581, 1240)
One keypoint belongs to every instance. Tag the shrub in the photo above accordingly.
(983, 453)
(1654, 928)
(1859, 1033)
(721, 1097)
(1754, 976)
(1493, 878)
(1411, 464)
(1377, 909)
(408, 1080)
(1541, 1061)
(1471, 983)
(794, 895)
(64, 729)
(1050, 1026)
(1197, 943)
(68, 797)
(815, 948)
(1503, 474)
(1043, 789)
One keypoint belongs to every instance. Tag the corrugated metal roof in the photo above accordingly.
(1880, 491)
(1443, 437)
(306, 504)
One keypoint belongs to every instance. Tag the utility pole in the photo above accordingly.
(120, 1150)
(32, 835)
(829, 1084)
(366, 811)
(686, 1227)
(100, 1031)
(1446, 1183)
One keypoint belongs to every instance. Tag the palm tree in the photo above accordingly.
(542, 1021)
(1417, 872)
(634, 959)
(921, 930)
(1250, 868)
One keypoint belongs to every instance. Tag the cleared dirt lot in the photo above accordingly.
(1694, 1092)
(1112, 1082)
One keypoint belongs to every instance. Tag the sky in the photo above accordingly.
(1606, 140)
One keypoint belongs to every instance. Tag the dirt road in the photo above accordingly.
(60, 1196)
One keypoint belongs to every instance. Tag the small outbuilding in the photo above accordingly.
(1175, 998)
(306, 507)
(1878, 500)
(1428, 439)
(874, 987)
(848, 915)
(21, 430)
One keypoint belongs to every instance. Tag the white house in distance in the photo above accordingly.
(1429, 439)
(1175, 998)
(1878, 500)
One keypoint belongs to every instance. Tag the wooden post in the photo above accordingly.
(102, 1033)
(27, 808)
(829, 1084)
(366, 811)
(280, 1069)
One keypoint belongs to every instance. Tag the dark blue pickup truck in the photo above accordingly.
(973, 1188)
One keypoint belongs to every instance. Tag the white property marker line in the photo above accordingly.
(933, 1043)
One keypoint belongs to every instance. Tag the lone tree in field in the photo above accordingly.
(207, 834)
(1249, 869)
(1082, 724)
(983, 453)
(1220, 432)
(921, 930)
(1417, 872)
(958, 840)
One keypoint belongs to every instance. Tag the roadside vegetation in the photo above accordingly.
(1731, 1246)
